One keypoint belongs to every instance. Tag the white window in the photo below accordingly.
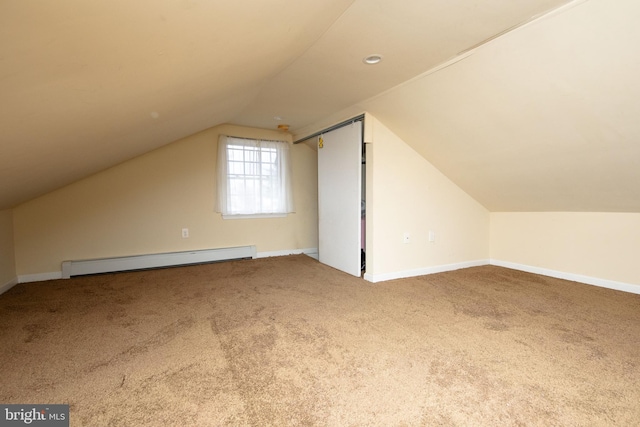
(254, 178)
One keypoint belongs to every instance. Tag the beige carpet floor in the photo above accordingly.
(290, 342)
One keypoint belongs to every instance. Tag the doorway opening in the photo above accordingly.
(363, 211)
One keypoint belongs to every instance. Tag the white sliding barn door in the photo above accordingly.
(339, 196)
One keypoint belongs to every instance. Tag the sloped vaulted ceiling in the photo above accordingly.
(542, 118)
(85, 85)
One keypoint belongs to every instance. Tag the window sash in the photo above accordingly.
(254, 177)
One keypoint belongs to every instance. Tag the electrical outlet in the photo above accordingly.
(185, 233)
(406, 238)
(432, 236)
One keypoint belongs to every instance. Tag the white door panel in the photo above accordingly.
(339, 196)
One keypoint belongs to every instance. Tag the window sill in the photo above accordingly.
(254, 216)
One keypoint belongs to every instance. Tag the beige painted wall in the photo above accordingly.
(7, 258)
(408, 194)
(140, 207)
(599, 245)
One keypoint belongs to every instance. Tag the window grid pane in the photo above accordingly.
(254, 183)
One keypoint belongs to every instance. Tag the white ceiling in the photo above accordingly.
(542, 118)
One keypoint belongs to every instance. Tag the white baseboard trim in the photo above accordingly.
(603, 283)
(137, 262)
(10, 284)
(41, 277)
(312, 252)
(374, 278)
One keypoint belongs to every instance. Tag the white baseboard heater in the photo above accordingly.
(139, 262)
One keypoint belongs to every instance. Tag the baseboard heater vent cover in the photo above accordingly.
(140, 262)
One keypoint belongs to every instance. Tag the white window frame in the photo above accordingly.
(254, 178)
